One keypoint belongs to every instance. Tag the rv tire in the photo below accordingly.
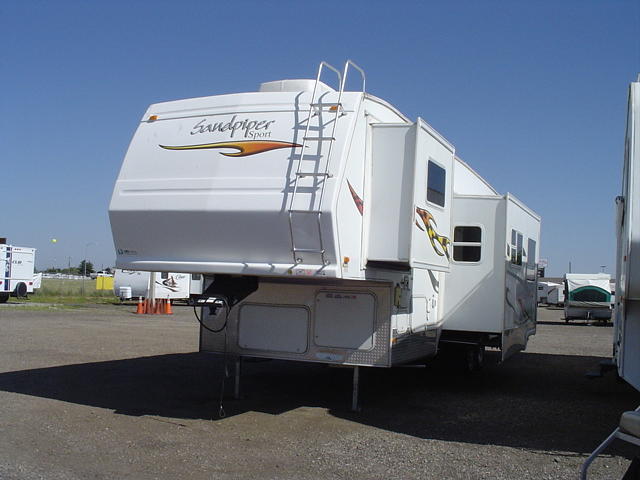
(4, 297)
(474, 358)
(21, 290)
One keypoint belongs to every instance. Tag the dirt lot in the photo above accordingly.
(99, 392)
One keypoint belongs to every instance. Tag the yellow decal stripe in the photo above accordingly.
(245, 148)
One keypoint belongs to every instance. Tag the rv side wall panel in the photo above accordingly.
(475, 290)
(432, 198)
(523, 228)
(392, 157)
(633, 189)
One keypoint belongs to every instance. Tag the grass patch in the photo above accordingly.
(65, 291)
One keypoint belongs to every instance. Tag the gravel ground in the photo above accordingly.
(98, 392)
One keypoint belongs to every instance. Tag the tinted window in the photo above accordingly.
(466, 253)
(436, 183)
(467, 244)
(467, 234)
(516, 247)
(531, 260)
(195, 276)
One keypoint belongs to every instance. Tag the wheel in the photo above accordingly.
(4, 297)
(20, 290)
(474, 358)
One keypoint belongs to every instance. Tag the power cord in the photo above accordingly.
(226, 317)
(223, 328)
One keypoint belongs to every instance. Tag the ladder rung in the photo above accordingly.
(320, 139)
(305, 211)
(312, 174)
(308, 250)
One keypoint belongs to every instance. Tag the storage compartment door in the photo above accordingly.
(345, 320)
(273, 328)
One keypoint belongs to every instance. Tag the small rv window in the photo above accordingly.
(531, 260)
(467, 234)
(164, 275)
(195, 276)
(467, 244)
(436, 183)
(516, 247)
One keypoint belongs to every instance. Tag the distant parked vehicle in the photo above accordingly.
(130, 284)
(587, 295)
(545, 289)
(16, 271)
(556, 296)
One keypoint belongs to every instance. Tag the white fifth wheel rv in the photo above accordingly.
(587, 295)
(626, 336)
(17, 271)
(322, 220)
(128, 284)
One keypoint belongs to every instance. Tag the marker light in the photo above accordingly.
(153, 118)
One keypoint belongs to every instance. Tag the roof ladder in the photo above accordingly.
(320, 176)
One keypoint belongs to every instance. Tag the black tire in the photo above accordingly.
(474, 358)
(20, 291)
(4, 297)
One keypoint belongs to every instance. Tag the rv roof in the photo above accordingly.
(586, 276)
(294, 85)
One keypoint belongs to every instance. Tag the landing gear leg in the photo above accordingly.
(355, 407)
(236, 383)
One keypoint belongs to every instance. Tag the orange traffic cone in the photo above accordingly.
(167, 307)
(140, 307)
(158, 309)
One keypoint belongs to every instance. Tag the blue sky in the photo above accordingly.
(532, 94)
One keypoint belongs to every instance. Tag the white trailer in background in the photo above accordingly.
(545, 290)
(556, 295)
(16, 271)
(128, 284)
(322, 221)
(626, 336)
(587, 295)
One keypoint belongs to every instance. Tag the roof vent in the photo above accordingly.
(300, 85)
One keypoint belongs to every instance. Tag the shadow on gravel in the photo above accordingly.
(576, 323)
(533, 401)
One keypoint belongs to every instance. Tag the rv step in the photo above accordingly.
(313, 174)
(318, 212)
(308, 250)
(320, 139)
